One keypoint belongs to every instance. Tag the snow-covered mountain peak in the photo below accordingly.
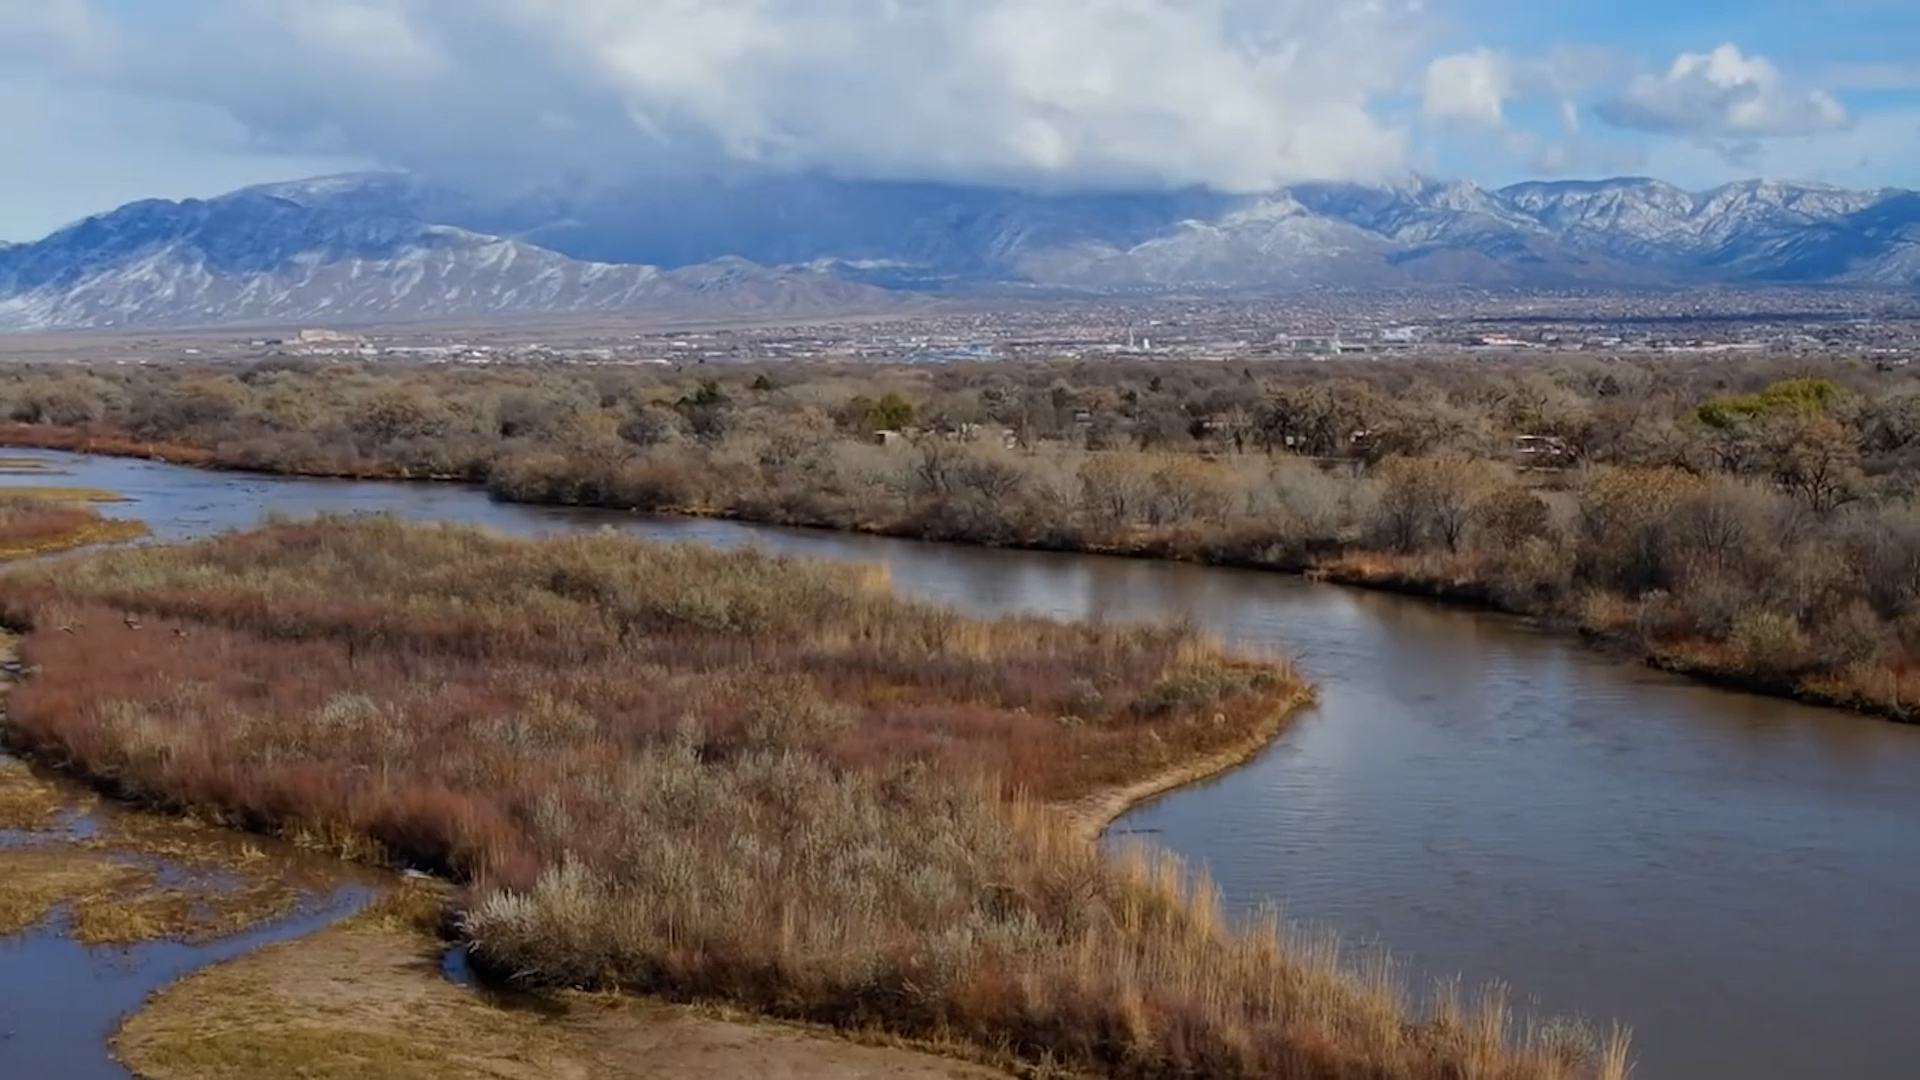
(391, 245)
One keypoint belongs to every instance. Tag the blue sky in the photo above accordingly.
(1865, 54)
(104, 101)
(1806, 35)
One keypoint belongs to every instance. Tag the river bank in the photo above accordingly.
(41, 520)
(1485, 799)
(99, 907)
(1090, 816)
(186, 952)
(881, 768)
(374, 996)
(1878, 691)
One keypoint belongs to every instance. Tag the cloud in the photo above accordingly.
(66, 32)
(1476, 86)
(1878, 148)
(373, 36)
(1234, 94)
(1722, 95)
(1731, 108)
(1470, 86)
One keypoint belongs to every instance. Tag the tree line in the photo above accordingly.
(1751, 519)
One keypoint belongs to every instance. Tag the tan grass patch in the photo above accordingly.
(60, 493)
(33, 881)
(37, 521)
(27, 802)
(112, 899)
(192, 913)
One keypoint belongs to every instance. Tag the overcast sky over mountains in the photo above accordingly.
(105, 101)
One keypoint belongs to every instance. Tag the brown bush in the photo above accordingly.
(1769, 642)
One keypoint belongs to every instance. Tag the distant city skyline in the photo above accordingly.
(107, 101)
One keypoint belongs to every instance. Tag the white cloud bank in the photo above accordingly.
(1724, 103)
(1470, 86)
(1723, 94)
(118, 100)
(1235, 94)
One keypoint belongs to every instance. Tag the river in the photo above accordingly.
(1735, 877)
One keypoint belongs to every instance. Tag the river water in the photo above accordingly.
(1736, 878)
(61, 1001)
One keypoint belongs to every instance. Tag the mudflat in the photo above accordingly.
(368, 997)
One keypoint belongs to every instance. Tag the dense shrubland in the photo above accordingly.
(1751, 519)
(726, 775)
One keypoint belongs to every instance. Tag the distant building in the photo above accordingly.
(951, 354)
(327, 337)
(1542, 449)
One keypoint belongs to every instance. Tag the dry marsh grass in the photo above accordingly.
(56, 493)
(123, 887)
(206, 907)
(87, 439)
(35, 521)
(27, 802)
(33, 881)
(730, 776)
(129, 878)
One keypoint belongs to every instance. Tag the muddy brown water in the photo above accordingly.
(1737, 878)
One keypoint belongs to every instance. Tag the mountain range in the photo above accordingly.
(387, 246)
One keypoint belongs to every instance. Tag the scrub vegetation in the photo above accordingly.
(1750, 520)
(709, 776)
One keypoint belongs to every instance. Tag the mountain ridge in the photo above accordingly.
(1639, 228)
(372, 246)
(254, 257)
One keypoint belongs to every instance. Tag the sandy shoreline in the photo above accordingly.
(1089, 817)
